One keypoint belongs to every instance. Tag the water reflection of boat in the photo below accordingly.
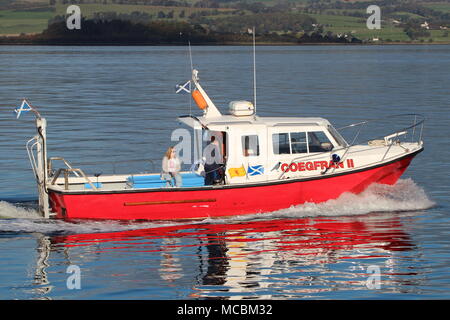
(303, 233)
(242, 258)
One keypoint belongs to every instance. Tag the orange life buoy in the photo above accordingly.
(199, 100)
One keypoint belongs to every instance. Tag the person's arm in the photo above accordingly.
(165, 166)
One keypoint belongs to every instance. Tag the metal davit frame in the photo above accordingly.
(37, 153)
(42, 166)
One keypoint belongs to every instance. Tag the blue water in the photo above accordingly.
(109, 105)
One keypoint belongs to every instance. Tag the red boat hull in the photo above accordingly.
(204, 202)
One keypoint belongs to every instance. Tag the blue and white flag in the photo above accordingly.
(255, 170)
(23, 108)
(185, 87)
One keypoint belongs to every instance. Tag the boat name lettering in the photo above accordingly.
(316, 165)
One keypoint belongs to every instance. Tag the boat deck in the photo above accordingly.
(125, 182)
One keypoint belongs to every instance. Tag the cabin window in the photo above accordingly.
(301, 142)
(281, 143)
(298, 142)
(250, 145)
(319, 142)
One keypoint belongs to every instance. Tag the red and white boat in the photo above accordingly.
(271, 163)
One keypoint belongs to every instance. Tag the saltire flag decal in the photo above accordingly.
(185, 87)
(255, 170)
(23, 108)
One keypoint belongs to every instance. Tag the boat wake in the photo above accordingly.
(405, 196)
(14, 218)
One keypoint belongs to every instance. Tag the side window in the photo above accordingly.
(281, 143)
(250, 145)
(298, 142)
(319, 142)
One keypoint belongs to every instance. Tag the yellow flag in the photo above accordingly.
(237, 172)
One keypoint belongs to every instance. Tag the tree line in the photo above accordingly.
(264, 22)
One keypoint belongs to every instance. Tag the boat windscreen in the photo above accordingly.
(337, 136)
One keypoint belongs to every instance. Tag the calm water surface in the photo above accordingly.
(107, 105)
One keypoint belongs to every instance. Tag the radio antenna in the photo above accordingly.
(190, 55)
(190, 82)
(254, 69)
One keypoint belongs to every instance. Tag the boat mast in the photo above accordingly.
(192, 69)
(211, 111)
(254, 70)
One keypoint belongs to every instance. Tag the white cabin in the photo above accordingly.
(262, 148)
(259, 149)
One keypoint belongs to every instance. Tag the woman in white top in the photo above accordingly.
(171, 167)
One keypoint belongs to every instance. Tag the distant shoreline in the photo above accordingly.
(120, 32)
(287, 44)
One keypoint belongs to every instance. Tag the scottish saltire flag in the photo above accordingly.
(255, 170)
(185, 87)
(23, 108)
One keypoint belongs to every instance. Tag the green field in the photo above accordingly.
(358, 28)
(407, 14)
(439, 6)
(440, 36)
(16, 22)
